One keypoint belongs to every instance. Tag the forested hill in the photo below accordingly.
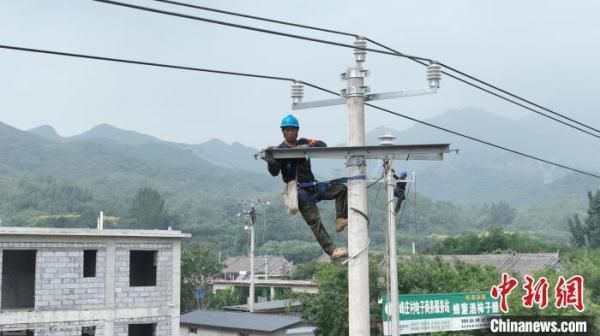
(49, 180)
(478, 173)
(111, 173)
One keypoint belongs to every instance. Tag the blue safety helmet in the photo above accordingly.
(404, 174)
(290, 121)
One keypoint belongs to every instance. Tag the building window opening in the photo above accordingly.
(17, 333)
(142, 329)
(18, 279)
(88, 331)
(89, 263)
(142, 268)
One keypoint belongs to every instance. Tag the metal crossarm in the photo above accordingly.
(393, 152)
(368, 97)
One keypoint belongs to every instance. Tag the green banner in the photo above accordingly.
(432, 306)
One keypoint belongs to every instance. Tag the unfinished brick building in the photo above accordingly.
(73, 282)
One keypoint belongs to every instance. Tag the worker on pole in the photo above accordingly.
(399, 189)
(309, 190)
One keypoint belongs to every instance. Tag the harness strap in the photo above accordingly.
(321, 187)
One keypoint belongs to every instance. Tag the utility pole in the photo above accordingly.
(251, 296)
(250, 217)
(250, 220)
(358, 232)
(391, 220)
(391, 229)
(356, 154)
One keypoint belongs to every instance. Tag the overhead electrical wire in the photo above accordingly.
(234, 73)
(153, 64)
(261, 30)
(419, 60)
(503, 97)
(247, 16)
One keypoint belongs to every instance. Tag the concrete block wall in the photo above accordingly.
(147, 296)
(57, 328)
(60, 284)
(163, 325)
(63, 294)
(59, 281)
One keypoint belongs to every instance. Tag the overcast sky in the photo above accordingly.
(545, 50)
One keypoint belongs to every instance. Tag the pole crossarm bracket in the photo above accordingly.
(368, 97)
(432, 152)
(400, 94)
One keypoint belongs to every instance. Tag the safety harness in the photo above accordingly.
(320, 188)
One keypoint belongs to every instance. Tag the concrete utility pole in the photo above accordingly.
(358, 232)
(250, 217)
(391, 229)
(391, 220)
(356, 154)
(251, 296)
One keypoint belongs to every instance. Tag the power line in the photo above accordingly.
(502, 97)
(268, 31)
(518, 97)
(416, 59)
(287, 23)
(482, 141)
(461, 134)
(153, 64)
(119, 60)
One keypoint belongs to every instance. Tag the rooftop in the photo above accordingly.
(267, 283)
(274, 265)
(239, 321)
(267, 306)
(522, 263)
(82, 232)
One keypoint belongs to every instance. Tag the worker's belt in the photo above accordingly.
(315, 191)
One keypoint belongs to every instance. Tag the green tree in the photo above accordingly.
(328, 309)
(493, 240)
(423, 275)
(225, 297)
(305, 270)
(148, 210)
(293, 250)
(496, 214)
(198, 266)
(587, 234)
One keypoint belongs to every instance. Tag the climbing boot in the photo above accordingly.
(339, 252)
(341, 224)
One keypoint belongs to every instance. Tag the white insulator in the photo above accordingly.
(297, 92)
(386, 139)
(434, 75)
(360, 53)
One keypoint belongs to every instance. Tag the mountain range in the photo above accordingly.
(478, 173)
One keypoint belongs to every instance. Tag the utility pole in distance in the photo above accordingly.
(391, 230)
(250, 224)
(250, 217)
